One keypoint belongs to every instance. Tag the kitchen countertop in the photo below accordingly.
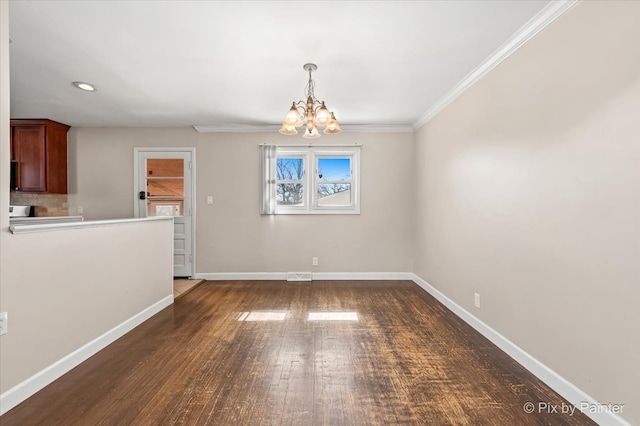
(44, 219)
(64, 224)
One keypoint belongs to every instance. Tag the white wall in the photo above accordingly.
(63, 289)
(231, 235)
(5, 128)
(528, 192)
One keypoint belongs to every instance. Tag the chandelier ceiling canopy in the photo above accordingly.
(310, 113)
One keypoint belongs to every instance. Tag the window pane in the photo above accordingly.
(290, 194)
(165, 207)
(334, 194)
(165, 187)
(290, 168)
(334, 168)
(173, 167)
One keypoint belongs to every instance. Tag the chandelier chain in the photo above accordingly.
(310, 87)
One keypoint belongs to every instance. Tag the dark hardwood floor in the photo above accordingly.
(247, 353)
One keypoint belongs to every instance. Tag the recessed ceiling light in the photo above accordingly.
(85, 86)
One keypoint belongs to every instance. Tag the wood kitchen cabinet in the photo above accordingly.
(40, 149)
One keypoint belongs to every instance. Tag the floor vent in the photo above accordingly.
(299, 276)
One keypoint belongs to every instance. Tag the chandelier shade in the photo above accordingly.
(311, 134)
(333, 127)
(293, 117)
(322, 116)
(288, 129)
(310, 113)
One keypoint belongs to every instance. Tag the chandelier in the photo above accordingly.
(310, 113)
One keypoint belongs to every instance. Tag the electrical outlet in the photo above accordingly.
(80, 210)
(209, 199)
(4, 325)
(476, 300)
(314, 261)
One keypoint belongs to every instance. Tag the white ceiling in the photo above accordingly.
(238, 64)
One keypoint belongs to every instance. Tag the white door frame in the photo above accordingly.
(136, 185)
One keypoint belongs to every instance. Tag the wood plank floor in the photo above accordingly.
(182, 286)
(247, 353)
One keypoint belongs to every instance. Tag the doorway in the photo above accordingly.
(164, 185)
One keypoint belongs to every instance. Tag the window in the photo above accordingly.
(333, 181)
(311, 180)
(290, 177)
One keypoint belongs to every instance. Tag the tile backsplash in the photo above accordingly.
(46, 204)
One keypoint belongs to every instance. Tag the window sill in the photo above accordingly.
(317, 212)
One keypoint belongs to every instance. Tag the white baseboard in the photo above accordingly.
(241, 276)
(362, 276)
(257, 276)
(555, 381)
(33, 384)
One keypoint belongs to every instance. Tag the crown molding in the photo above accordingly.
(377, 128)
(235, 128)
(546, 16)
(351, 128)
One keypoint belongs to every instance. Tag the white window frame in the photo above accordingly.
(310, 156)
(305, 185)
